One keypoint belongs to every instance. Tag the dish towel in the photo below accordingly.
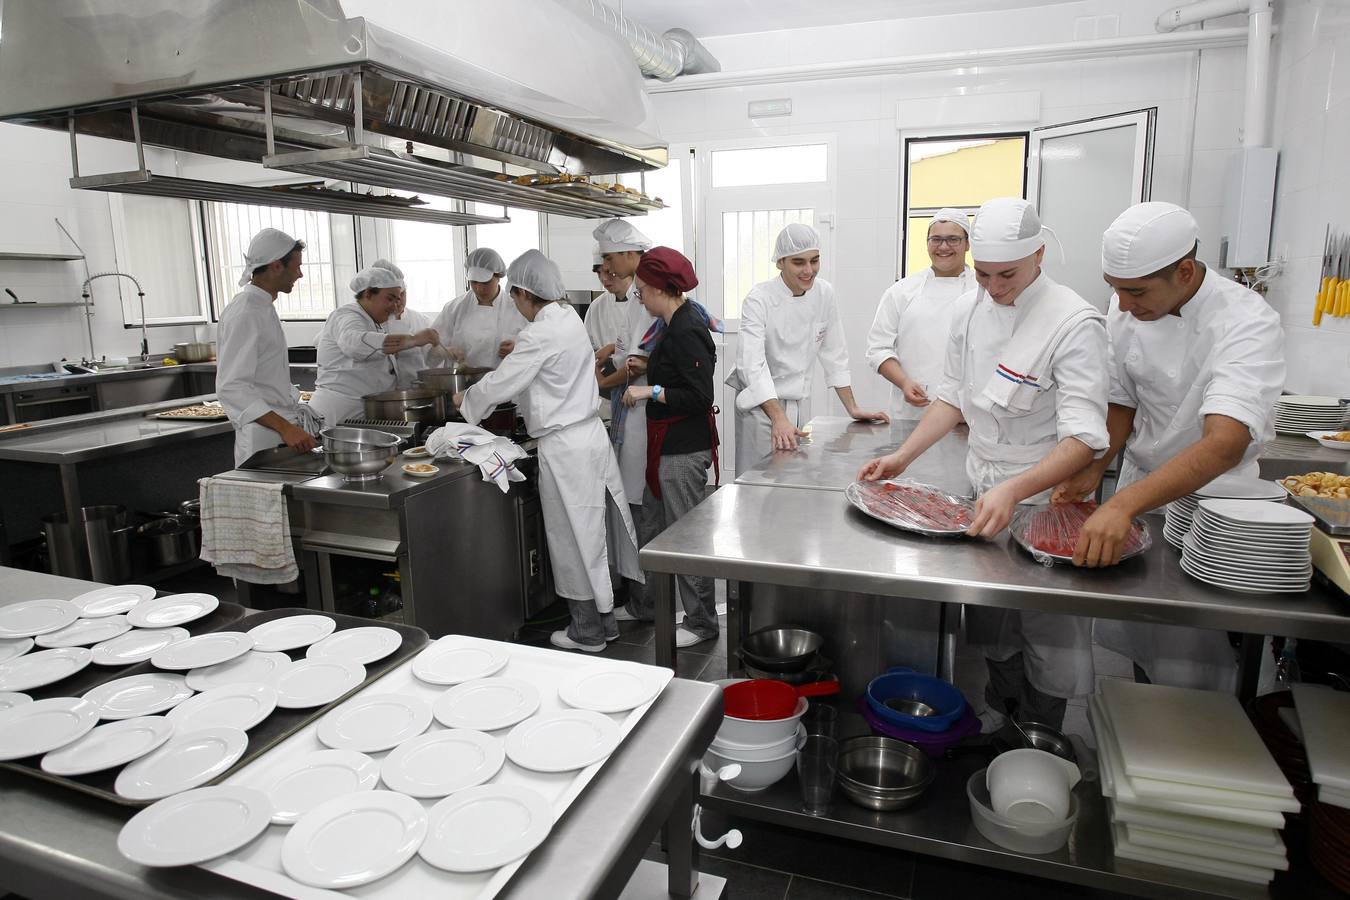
(1037, 332)
(493, 454)
(246, 531)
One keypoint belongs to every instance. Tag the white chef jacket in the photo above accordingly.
(551, 376)
(479, 330)
(1056, 649)
(409, 362)
(605, 318)
(253, 375)
(780, 336)
(911, 325)
(632, 450)
(1223, 354)
(352, 363)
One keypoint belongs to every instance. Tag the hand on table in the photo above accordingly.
(785, 435)
(1102, 538)
(993, 511)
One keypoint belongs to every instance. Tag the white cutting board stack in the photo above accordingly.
(1191, 785)
(1324, 716)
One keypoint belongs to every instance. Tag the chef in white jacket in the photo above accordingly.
(551, 376)
(1026, 370)
(606, 317)
(253, 377)
(356, 352)
(406, 320)
(479, 327)
(1197, 365)
(908, 340)
(787, 323)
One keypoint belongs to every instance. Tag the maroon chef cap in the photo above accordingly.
(667, 269)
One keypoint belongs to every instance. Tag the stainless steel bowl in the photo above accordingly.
(421, 405)
(359, 454)
(882, 773)
(1037, 736)
(781, 648)
(908, 706)
(194, 351)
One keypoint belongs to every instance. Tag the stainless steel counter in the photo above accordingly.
(391, 491)
(101, 435)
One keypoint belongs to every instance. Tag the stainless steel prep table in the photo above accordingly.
(57, 843)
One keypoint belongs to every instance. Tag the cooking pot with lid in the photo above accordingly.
(194, 351)
(420, 405)
(451, 379)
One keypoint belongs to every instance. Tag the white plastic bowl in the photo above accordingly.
(1031, 786)
(1020, 837)
(755, 752)
(756, 775)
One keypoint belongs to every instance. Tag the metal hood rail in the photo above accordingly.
(491, 88)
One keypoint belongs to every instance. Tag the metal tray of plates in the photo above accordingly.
(278, 726)
(913, 506)
(1050, 533)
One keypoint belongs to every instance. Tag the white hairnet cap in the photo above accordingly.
(374, 277)
(616, 236)
(793, 239)
(1147, 237)
(267, 246)
(1006, 229)
(386, 264)
(597, 258)
(534, 272)
(955, 216)
(484, 263)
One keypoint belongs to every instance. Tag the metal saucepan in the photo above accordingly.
(451, 379)
(420, 405)
(172, 540)
(781, 648)
(194, 351)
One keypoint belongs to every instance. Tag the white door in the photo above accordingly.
(749, 193)
(1081, 175)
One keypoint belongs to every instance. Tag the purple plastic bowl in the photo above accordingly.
(933, 743)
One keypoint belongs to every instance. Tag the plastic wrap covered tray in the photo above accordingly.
(912, 506)
(1050, 533)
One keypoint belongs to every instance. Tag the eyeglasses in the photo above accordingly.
(951, 241)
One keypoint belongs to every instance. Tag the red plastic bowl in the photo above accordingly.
(765, 698)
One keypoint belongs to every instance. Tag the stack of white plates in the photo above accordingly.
(1181, 511)
(1248, 545)
(1301, 413)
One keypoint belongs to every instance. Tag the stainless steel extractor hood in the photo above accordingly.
(509, 102)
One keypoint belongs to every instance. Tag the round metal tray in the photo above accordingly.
(904, 518)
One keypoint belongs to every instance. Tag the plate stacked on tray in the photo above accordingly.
(1248, 545)
(1301, 413)
(1180, 512)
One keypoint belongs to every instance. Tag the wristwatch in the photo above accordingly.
(656, 392)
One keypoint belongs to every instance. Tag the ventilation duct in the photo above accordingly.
(663, 56)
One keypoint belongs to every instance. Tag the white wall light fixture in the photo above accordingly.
(764, 109)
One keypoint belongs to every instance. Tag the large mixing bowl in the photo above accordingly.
(882, 773)
(781, 648)
(358, 454)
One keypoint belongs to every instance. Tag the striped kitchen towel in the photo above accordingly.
(246, 530)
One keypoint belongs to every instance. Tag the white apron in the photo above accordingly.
(921, 337)
(334, 407)
(632, 450)
(581, 493)
(754, 431)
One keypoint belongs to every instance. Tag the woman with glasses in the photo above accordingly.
(551, 376)
(355, 350)
(908, 340)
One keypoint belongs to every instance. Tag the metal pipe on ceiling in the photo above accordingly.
(663, 56)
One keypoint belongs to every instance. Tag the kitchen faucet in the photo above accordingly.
(84, 292)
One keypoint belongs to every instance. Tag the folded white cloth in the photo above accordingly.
(1043, 320)
(246, 530)
(493, 454)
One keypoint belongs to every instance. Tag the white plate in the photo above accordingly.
(203, 650)
(174, 609)
(1257, 512)
(447, 663)
(487, 704)
(485, 827)
(411, 473)
(139, 695)
(251, 667)
(1236, 585)
(363, 645)
(316, 778)
(314, 682)
(562, 741)
(291, 632)
(371, 724)
(137, 645)
(29, 618)
(234, 706)
(42, 668)
(354, 839)
(109, 601)
(83, 632)
(417, 453)
(13, 648)
(443, 762)
(1324, 438)
(11, 699)
(1234, 487)
(1312, 400)
(33, 728)
(114, 744)
(188, 760)
(195, 826)
(607, 690)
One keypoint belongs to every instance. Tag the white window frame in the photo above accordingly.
(1145, 122)
(130, 310)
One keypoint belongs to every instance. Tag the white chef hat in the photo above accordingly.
(1147, 237)
(534, 272)
(1006, 229)
(616, 236)
(955, 216)
(795, 238)
(267, 246)
(386, 264)
(483, 263)
(374, 277)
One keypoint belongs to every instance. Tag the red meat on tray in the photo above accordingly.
(912, 506)
(1054, 530)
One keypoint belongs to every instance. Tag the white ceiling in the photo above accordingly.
(707, 18)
